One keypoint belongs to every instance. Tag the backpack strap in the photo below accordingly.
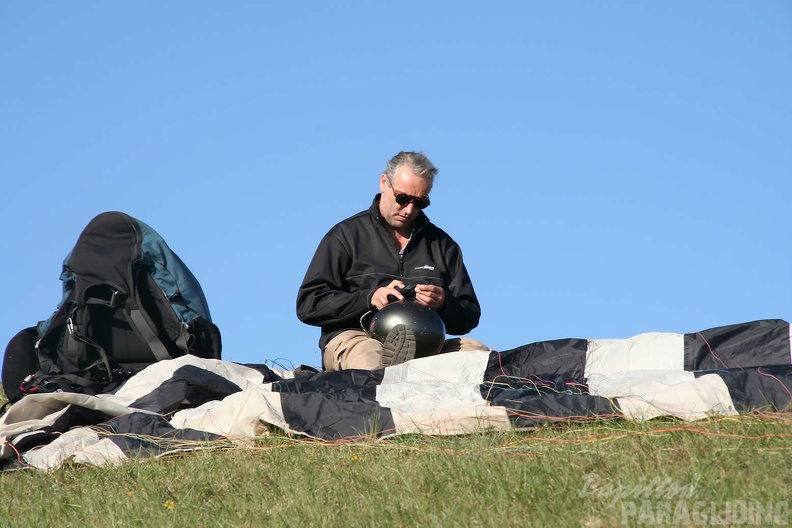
(139, 323)
(45, 383)
(139, 317)
(137, 320)
(73, 348)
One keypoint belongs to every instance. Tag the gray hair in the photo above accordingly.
(419, 163)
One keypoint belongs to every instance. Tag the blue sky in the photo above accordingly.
(609, 168)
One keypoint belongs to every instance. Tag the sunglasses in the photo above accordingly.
(403, 199)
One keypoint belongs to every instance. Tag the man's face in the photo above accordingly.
(405, 181)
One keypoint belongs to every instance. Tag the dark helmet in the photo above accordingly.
(424, 322)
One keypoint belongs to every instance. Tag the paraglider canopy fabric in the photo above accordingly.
(177, 404)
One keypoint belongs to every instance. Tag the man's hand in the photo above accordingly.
(430, 296)
(387, 294)
(425, 294)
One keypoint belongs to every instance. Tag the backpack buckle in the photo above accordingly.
(117, 299)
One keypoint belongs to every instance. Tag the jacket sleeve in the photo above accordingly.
(461, 311)
(324, 298)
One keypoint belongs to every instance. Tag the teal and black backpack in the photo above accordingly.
(128, 301)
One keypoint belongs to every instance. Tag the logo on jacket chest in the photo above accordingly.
(425, 267)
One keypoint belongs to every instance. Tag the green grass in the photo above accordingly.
(583, 474)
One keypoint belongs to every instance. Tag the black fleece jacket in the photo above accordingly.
(358, 255)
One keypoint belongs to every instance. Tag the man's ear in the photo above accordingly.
(384, 182)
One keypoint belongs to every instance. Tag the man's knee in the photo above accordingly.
(352, 349)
